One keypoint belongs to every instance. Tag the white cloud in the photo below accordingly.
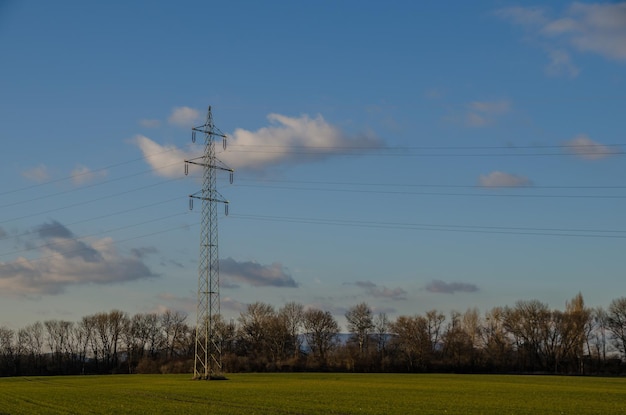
(167, 161)
(501, 179)
(67, 261)
(184, 117)
(82, 174)
(591, 28)
(481, 113)
(37, 174)
(596, 28)
(293, 139)
(584, 147)
(287, 140)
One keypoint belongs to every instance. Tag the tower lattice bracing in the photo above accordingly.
(208, 352)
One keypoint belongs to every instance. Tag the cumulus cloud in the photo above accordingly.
(481, 113)
(377, 291)
(82, 174)
(293, 139)
(165, 160)
(584, 147)
(501, 179)
(286, 140)
(591, 28)
(255, 274)
(37, 174)
(438, 286)
(65, 261)
(184, 117)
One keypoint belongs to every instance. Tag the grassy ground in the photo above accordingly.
(313, 394)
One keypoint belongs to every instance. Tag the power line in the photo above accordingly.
(97, 217)
(91, 201)
(88, 186)
(454, 186)
(102, 169)
(78, 238)
(500, 147)
(392, 192)
(531, 231)
(57, 254)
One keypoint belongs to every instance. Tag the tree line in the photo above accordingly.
(528, 337)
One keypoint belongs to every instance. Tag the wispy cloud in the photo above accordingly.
(184, 117)
(497, 179)
(82, 174)
(255, 274)
(482, 113)
(287, 140)
(377, 291)
(37, 174)
(591, 28)
(584, 147)
(561, 64)
(150, 123)
(595, 28)
(438, 286)
(66, 261)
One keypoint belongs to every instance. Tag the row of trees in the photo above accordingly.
(529, 337)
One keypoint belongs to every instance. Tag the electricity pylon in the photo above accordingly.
(208, 350)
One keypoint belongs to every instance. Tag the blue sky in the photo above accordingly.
(412, 155)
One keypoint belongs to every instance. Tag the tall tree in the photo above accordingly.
(360, 324)
(411, 339)
(174, 329)
(253, 329)
(616, 322)
(321, 330)
(293, 315)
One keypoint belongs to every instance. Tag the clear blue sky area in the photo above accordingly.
(410, 155)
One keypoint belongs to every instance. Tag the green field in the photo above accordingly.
(313, 393)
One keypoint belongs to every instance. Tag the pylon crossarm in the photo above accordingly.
(217, 167)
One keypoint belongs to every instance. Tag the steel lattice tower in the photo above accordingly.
(208, 351)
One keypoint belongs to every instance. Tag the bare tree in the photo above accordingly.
(8, 353)
(616, 322)
(411, 338)
(321, 333)
(496, 344)
(253, 328)
(381, 330)
(292, 314)
(434, 324)
(574, 332)
(174, 328)
(597, 340)
(360, 324)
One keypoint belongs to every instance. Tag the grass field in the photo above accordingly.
(313, 393)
